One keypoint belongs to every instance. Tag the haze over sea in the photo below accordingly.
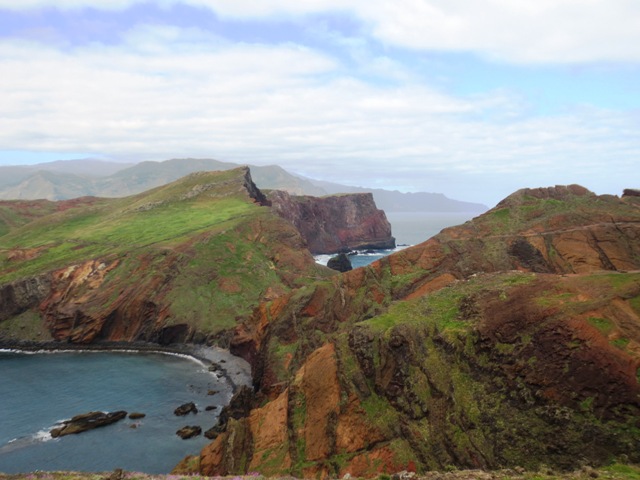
(39, 390)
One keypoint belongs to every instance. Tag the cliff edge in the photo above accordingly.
(511, 340)
(179, 263)
(335, 223)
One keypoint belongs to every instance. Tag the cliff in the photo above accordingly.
(182, 262)
(335, 223)
(512, 340)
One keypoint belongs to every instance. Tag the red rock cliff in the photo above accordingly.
(511, 340)
(335, 223)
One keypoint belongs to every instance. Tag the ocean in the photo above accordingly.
(412, 228)
(37, 391)
(409, 228)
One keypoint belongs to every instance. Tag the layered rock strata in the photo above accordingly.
(511, 340)
(336, 223)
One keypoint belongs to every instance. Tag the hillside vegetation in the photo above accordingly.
(510, 341)
(178, 262)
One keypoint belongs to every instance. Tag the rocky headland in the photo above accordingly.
(178, 264)
(335, 223)
(121, 278)
(512, 341)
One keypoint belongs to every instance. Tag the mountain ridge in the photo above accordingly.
(130, 179)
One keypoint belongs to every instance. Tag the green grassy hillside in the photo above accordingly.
(199, 252)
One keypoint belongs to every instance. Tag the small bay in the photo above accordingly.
(39, 390)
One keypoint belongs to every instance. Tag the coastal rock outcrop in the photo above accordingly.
(188, 432)
(340, 262)
(335, 223)
(21, 295)
(512, 340)
(87, 421)
(185, 409)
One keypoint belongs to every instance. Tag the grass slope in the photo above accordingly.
(198, 251)
(613, 472)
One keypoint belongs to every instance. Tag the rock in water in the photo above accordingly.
(185, 409)
(88, 421)
(189, 432)
(340, 263)
(136, 415)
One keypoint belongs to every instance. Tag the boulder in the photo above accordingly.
(87, 421)
(189, 432)
(185, 409)
(137, 415)
(340, 262)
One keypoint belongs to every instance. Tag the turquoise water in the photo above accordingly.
(39, 390)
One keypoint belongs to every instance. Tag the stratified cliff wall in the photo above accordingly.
(335, 223)
(512, 340)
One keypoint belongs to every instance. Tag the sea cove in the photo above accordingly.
(39, 390)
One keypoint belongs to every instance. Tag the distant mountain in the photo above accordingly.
(86, 166)
(13, 175)
(49, 185)
(74, 178)
(395, 201)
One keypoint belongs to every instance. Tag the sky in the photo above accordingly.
(473, 99)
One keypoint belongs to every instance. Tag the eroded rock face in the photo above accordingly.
(335, 223)
(22, 295)
(511, 340)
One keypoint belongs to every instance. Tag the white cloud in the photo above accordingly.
(519, 31)
(71, 4)
(172, 93)
(168, 92)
